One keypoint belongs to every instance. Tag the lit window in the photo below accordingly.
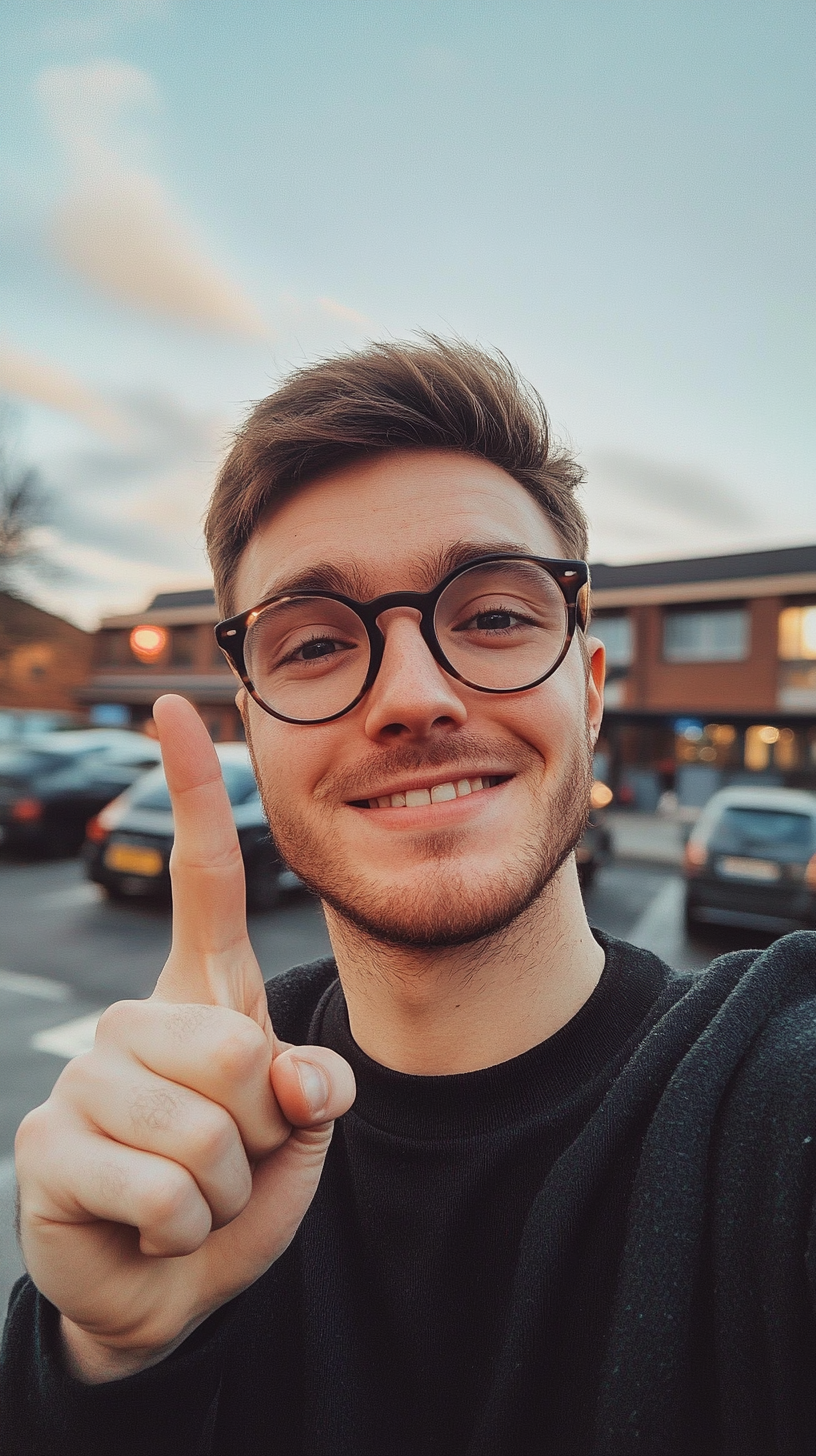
(709, 636)
(616, 635)
(797, 634)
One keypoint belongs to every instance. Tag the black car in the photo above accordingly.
(751, 861)
(127, 848)
(52, 784)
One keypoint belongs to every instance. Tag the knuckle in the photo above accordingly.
(166, 1199)
(31, 1136)
(242, 1052)
(212, 1138)
(116, 1021)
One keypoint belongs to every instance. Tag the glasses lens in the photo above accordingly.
(307, 657)
(502, 625)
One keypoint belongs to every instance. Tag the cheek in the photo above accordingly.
(552, 717)
(290, 760)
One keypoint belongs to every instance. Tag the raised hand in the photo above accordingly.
(173, 1163)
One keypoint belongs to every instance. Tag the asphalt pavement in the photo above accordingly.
(66, 953)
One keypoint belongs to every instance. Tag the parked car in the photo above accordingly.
(127, 847)
(595, 848)
(52, 784)
(750, 861)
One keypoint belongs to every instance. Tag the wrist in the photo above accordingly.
(95, 1362)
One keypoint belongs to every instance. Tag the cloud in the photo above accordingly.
(640, 508)
(117, 227)
(680, 490)
(144, 503)
(346, 315)
(30, 377)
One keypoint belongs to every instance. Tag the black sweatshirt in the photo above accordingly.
(600, 1248)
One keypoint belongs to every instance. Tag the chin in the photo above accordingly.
(438, 908)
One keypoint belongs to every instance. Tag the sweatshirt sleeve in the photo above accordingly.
(169, 1410)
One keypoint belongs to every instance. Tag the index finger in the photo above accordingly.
(211, 958)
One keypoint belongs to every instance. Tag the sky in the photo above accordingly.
(196, 198)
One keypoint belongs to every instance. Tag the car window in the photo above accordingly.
(24, 763)
(770, 832)
(152, 792)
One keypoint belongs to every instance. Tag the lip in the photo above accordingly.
(405, 785)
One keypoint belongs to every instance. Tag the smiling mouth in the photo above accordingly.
(437, 794)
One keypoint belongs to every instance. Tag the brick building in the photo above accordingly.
(44, 660)
(167, 648)
(712, 672)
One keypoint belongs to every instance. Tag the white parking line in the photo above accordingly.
(34, 986)
(659, 928)
(70, 1039)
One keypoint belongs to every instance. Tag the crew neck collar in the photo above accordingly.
(541, 1080)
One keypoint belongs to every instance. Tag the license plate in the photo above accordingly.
(749, 869)
(134, 859)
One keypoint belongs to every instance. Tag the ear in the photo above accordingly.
(596, 655)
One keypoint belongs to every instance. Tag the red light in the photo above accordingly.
(148, 642)
(694, 857)
(94, 830)
(25, 811)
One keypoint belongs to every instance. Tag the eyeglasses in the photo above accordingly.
(499, 624)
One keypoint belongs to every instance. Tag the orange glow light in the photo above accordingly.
(148, 643)
(601, 795)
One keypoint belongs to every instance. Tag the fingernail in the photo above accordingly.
(313, 1085)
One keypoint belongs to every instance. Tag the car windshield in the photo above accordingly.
(772, 832)
(24, 763)
(153, 792)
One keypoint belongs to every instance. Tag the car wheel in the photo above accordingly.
(263, 890)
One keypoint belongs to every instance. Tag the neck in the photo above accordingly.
(458, 1009)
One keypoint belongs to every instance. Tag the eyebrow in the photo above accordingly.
(350, 580)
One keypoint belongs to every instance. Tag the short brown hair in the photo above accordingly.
(430, 394)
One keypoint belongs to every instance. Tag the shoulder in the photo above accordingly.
(294, 996)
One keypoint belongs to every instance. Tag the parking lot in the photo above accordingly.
(66, 953)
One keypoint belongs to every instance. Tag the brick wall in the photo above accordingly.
(43, 659)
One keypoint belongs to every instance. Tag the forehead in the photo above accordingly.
(385, 524)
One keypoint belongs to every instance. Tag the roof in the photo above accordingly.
(786, 572)
(787, 561)
(202, 597)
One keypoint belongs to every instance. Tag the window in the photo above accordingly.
(616, 635)
(111, 648)
(182, 651)
(765, 831)
(707, 636)
(797, 634)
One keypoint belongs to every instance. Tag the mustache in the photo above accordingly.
(462, 751)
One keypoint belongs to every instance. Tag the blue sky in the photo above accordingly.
(619, 195)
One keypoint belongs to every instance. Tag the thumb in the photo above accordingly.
(312, 1084)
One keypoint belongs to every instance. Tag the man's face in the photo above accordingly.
(445, 872)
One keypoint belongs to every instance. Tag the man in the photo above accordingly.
(568, 1211)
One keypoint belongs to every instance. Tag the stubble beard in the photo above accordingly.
(444, 910)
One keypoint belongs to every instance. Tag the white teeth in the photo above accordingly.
(439, 794)
(415, 797)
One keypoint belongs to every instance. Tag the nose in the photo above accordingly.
(411, 696)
